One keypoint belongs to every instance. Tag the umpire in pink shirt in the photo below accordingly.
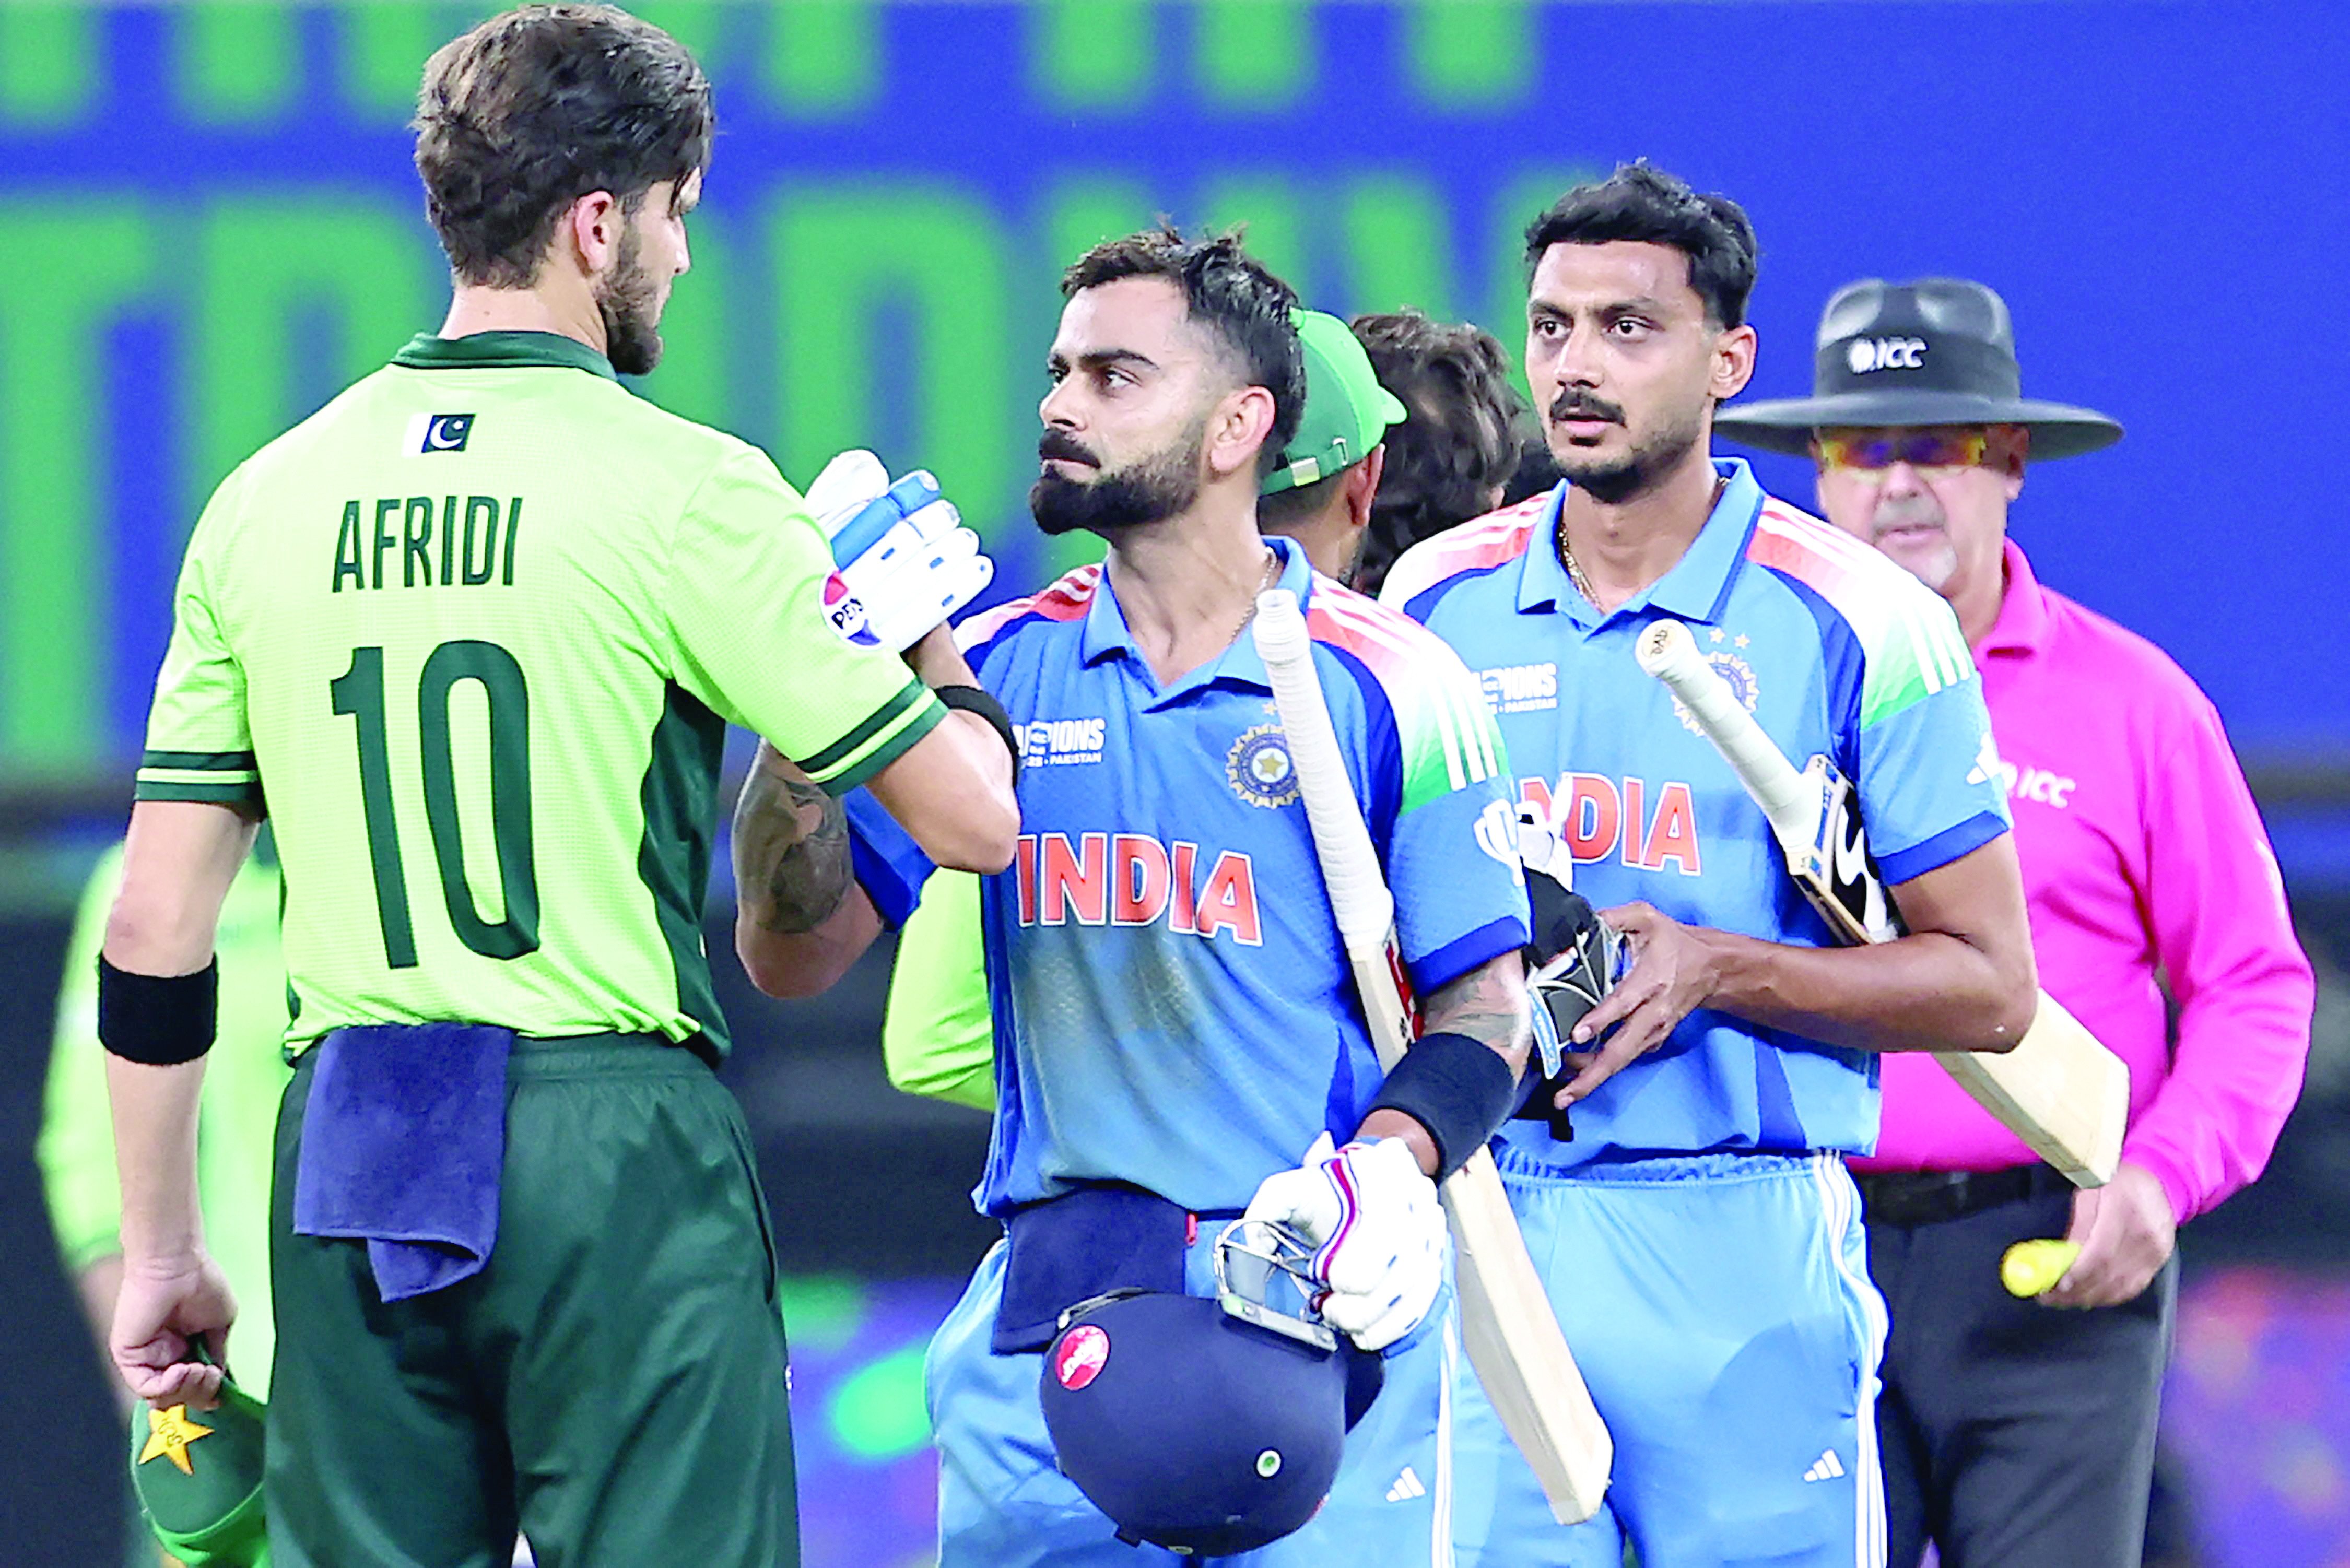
(2015, 1433)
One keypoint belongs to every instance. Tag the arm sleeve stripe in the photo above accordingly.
(210, 794)
(917, 714)
(1950, 844)
(1479, 722)
(205, 762)
(198, 776)
(1433, 971)
(908, 698)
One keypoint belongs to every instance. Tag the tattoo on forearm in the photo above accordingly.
(791, 852)
(1488, 1003)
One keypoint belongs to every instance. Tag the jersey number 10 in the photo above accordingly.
(359, 692)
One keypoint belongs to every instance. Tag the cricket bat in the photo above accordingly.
(2060, 1090)
(1506, 1324)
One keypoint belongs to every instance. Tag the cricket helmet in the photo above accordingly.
(1207, 1426)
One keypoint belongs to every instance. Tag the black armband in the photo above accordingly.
(1460, 1089)
(972, 699)
(158, 1020)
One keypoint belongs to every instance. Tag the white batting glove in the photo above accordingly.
(905, 562)
(847, 485)
(1377, 1230)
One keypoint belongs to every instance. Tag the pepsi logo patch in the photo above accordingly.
(1084, 1351)
(846, 611)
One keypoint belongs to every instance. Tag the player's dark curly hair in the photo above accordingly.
(539, 105)
(1640, 202)
(1459, 442)
(1233, 294)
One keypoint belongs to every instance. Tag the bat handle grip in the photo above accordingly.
(1351, 867)
(1669, 652)
(1279, 628)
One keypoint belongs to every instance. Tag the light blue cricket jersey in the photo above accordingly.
(1835, 649)
(1171, 1004)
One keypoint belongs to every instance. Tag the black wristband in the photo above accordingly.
(159, 1021)
(1460, 1089)
(972, 699)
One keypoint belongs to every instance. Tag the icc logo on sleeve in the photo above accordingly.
(436, 432)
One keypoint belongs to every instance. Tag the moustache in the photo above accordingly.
(1904, 512)
(1579, 406)
(1059, 445)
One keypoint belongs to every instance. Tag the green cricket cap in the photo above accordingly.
(198, 1477)
(1347, 412)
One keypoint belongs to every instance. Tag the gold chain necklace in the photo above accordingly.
(1574, 569)
(1271, 570)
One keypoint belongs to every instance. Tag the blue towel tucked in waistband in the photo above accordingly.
(403, 1143)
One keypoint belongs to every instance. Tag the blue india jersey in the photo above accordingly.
(1835, 651)
(1171, 1004)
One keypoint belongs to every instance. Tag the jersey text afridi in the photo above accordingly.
(474, 633)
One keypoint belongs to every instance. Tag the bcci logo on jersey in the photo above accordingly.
(436, 432)
(1259, 768)
(846, 611)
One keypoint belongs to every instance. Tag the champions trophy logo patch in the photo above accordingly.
(846, 611)
(1731, 669)
(1259, 767)
(1084, 1351)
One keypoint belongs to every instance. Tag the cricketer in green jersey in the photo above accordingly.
(474, 633)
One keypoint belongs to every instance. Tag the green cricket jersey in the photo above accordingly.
(475, 630)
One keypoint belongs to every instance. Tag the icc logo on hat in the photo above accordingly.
(1868, 354)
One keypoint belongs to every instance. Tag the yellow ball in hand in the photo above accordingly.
(2031, 1267)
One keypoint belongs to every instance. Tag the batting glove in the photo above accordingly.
(905, 562)
(1575, 960)
(1378, 1232)
(1574, 957)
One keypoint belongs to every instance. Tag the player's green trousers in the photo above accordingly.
(612, 1382)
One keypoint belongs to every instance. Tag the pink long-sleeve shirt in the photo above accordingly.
(2145, 864)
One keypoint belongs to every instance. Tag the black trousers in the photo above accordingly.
(2014, 1435)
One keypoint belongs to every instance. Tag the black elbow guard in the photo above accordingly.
(1460, 1089)
(973, 700)
(158, 1020)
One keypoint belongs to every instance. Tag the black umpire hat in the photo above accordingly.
(1938, 351)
